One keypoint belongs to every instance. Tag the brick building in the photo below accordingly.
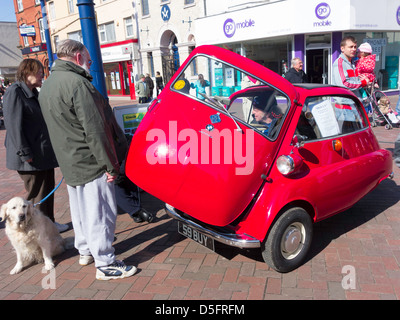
(32, 40)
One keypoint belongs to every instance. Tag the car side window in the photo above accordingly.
(329, 116)
(263, 108)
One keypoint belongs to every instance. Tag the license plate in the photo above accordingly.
(196, 235)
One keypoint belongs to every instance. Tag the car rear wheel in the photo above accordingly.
(289, 240)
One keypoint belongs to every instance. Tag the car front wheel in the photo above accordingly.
(289, 240)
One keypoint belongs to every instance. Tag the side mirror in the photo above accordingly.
(298, 140)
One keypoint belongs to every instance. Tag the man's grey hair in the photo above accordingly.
(68, 48)
(294, 60)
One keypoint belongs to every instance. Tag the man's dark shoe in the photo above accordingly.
(137, 218)
(145, 215)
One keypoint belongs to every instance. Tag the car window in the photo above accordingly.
(207, 77)
(263, 108)
(328, 116)
(212, 81)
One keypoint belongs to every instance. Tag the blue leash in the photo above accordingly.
(45, 198)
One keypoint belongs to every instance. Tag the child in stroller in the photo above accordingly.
(383, 114)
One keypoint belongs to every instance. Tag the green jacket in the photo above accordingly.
(85, 136)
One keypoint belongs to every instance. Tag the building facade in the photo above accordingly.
(167, 33)
(273, 32)
(32, 41)
(10, 55)
(117, 34)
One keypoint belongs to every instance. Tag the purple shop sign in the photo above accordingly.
(398, 15)
(229, 28)
(323, 10)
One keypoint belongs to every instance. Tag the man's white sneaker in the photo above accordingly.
(85, 260)
(117, 270)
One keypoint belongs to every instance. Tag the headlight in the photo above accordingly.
(288, 164)
(285, 164)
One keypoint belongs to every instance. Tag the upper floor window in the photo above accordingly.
(77, 35)
(129, 27)
(107, 32)
(189, 2)
(20, 5)
(52, 10)
(56, 41)
(37, 2)
(42, 33)
(26, 41)
(71, 8)
(145, 8)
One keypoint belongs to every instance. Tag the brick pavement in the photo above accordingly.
(364, 240)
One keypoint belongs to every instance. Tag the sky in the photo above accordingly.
(7, 11)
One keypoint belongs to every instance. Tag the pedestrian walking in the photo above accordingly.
(296, 73)
(150, 84)
(159, 83)
(142, 89)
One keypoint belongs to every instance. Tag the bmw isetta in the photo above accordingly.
(243, 157)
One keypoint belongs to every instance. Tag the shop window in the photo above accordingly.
(386, 47)
(274, 54)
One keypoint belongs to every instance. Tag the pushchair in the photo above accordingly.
(378, 108)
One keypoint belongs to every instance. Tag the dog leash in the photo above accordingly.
(51, 192)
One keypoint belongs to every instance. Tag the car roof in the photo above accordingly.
(310, 86)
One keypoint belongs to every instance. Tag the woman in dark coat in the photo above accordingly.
(28, 147)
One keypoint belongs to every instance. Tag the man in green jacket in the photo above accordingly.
(142, 89)
(86, 144)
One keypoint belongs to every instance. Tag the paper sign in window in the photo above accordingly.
(325, 118)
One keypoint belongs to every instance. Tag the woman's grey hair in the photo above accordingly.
(68, 48)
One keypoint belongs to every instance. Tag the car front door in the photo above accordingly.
(191, 153)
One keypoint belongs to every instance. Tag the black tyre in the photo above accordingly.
(288, 241)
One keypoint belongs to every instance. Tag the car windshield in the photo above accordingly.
(212, 82)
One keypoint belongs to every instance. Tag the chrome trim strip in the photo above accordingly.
(230, 239)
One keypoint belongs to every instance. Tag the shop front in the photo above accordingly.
(274, 33)
(118, 68)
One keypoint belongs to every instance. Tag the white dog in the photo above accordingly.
(33, 235)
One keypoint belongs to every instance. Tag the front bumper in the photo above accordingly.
(231, 239)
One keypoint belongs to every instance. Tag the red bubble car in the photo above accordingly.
(243, 157)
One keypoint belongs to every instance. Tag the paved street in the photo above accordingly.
(363, 241)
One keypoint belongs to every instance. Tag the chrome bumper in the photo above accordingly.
(231, 239)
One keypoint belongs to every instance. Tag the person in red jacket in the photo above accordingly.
(366, 63)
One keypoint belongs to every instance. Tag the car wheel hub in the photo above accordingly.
(292, 241)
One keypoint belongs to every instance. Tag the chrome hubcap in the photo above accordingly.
(292, 240)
